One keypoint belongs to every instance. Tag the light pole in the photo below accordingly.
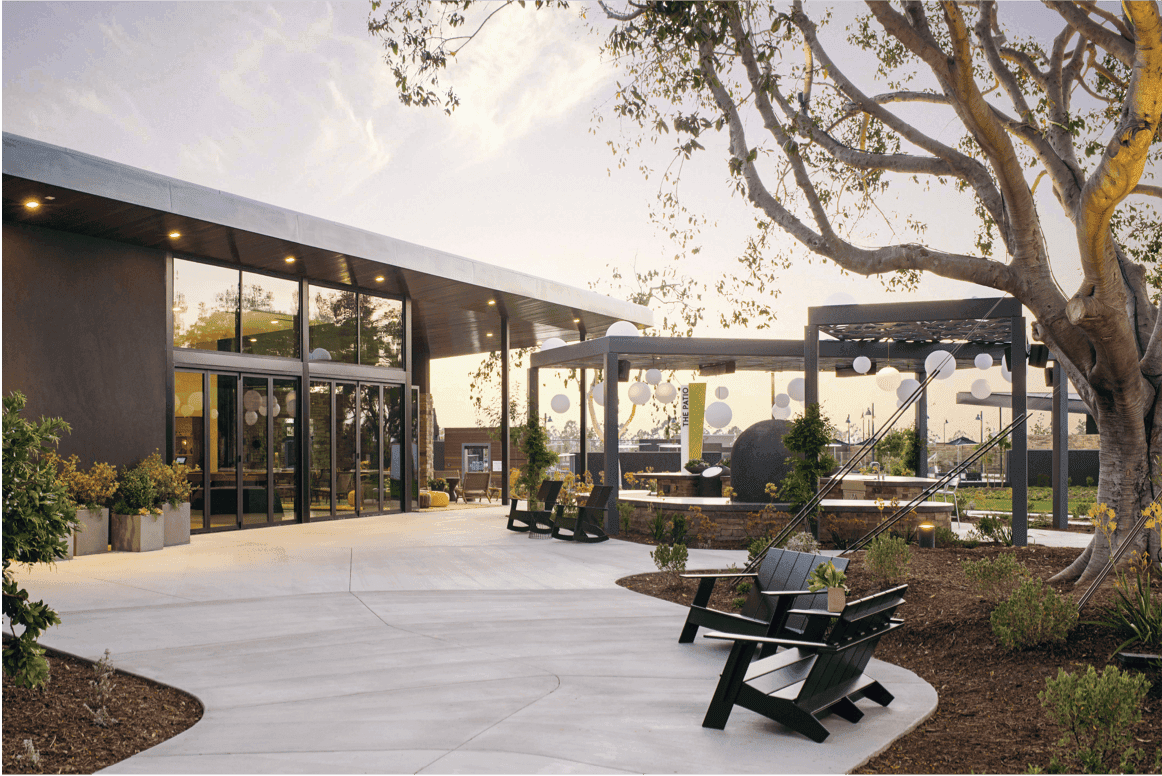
(946, 431)
(980, 417)
(849, 429)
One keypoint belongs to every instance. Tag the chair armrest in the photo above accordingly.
(765, 640)
(743, 575)
(815, 612)
(777, 593)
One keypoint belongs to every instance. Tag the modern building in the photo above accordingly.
(286, 356)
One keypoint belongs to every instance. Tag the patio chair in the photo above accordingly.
(811, 677)
(587, 525)
(536, 520)
(476, 485)
(779, 585)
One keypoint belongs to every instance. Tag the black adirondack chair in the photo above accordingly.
(536, 520)
(811, 677)
(587, 526)
(779, 585)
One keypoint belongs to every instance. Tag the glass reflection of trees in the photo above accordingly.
(336, 316)
(267, 308)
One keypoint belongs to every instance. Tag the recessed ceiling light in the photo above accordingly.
(576, 320)
(276, 323)
(254, 339)
(379, 278)
(492, 301)
(489, 334)
(289, 259)
(49, 199)
(175, 235)
(32, 204)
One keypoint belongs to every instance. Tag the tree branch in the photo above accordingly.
(1150, 191)
(1121, 48)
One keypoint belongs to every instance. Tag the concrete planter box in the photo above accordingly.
(137, 533)
(177, 523)
(92, 535)
(71, 543)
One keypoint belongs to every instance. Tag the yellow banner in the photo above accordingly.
(697, 418)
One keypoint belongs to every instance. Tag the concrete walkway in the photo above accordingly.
(433, 643)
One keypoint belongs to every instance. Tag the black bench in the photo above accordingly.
(812, 676)
(587, 525)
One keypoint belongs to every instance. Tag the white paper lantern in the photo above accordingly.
(560, 403)
(780, 413)
(214, 413)
(177, 400)
(320, 354)
(899, 403)
(796, 389)
(981, 389)
(262, 410)
(275, 409)
(862, 364)
(196, 400)
(718, 414)
(639, 393)
(839, 297)
(552, 342)
(184, 411)
(653, 376)
(622, 329)
(983, 361)
(906, 388)
(251, 417)
(598, 393)
(721, 392)
(291, 404)
(665, 393)
(1007, 375)
(888, 378)
(251, 400)
(782, 400)
(942, 363)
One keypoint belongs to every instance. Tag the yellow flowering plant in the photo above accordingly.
(90, 489)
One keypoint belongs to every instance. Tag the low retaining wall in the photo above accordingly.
(848, 520)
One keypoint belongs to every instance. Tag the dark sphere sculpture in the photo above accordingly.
(758, 457)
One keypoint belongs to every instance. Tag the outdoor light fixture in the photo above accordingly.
(552, 342)
(489, 334)
(622, 329)
(289, 259)
(32, 204)
(379, 278)
(491, 302)
(576, 320)
(174, 235)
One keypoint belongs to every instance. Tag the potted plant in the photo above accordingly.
(696, 466)
(136, 524)
(438, 483)
(534, 443)
(90, 493)
(173, 487)
(826, 577)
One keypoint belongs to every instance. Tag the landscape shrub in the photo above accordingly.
(136, 494)
(755, 549)
(705, 529)
(995, 579)
(802, 542)
(38, 516)
(1033, 614)
(1135, 613)
(658, 527)
(946, 537)
(887, 559)
(670, 558)
(678, 529)
(624, 515)
(995, 529)
(87, 490)
(1098, 713)
(170, 482)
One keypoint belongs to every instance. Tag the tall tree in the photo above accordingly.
(814, 145)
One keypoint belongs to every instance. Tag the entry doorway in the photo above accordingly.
(239, 430)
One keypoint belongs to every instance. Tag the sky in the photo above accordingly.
(292, 104)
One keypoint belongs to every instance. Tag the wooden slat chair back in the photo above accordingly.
(536, 520)
(762, 614)
(810, 678)
(588, 525)
(476, 484)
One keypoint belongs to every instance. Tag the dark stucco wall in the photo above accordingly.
(84, 338)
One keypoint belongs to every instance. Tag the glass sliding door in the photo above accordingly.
(221, 466)
(370, 429)
(346, 448)
(189, 438)
(284, 451)
(393, 431)
(320, 423)
(255, 449)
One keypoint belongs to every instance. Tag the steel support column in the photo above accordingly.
(810, 365)
(922, 426)
(1019, 459)
(612, 473)
(407, 471)
(504, 421)
(534, 376)
(1059, 421)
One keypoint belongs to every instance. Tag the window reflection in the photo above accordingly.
(205, 307)
(270, 316)
(332, 325)
(380, 331)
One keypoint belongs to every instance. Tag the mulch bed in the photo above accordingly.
(989, 718)
(62, 730)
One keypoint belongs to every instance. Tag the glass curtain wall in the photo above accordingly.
(320, 420)
(188, 438)
(346, 456)
(222, 458)
(284, 451)
(255, 447)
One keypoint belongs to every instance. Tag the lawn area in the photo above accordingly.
(1081, 498)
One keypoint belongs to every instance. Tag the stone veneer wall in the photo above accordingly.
(424, 467)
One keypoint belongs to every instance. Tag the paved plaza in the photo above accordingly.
(434, 643)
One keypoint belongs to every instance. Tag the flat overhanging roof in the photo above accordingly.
(451, 314)
(714, 354)
(1041, 402)
(984, 321)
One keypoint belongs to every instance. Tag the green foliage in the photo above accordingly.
(738, 603)
(995, 529)
(755, 549)
(995, 579)
(825, 575)
(1098, 714)
(802, 542)
(678, 529)
(946, 537)
(887, 559)
(437, 483)
(1032, 615)
(534, 443)
(670, 558)
(658, 527)
(1135, 613)
(38, 517)
(624, 515)
(898, 451)
(136, 494)
(696, 466)
(88, 490)
(171, 483)
(808, 438)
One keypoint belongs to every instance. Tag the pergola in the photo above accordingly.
(901, 335)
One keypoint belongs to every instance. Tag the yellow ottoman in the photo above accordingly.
(439, 498)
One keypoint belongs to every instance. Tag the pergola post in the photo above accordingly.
(612, 473)
(1019, 459)
(810, 365)
(583, 446)
(504, 422)
(922, 425)
(534, 375)
(1059, 421)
